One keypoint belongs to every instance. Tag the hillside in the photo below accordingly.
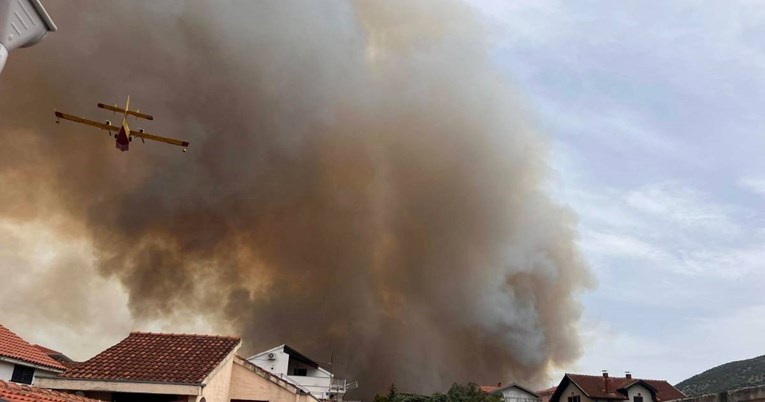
(733, 375)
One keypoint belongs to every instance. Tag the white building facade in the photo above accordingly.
(22, 372)
(21, 362)
(303, 372)
(517, 393)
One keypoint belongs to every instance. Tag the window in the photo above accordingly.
(573, 398)
(22, 374)
(637, 398)
(300, 372)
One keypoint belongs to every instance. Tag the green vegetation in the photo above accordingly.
(457, 393)
(729, 376)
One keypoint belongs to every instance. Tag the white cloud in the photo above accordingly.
(753, 184)
(674, 203)
(673, 353)
(612, 244)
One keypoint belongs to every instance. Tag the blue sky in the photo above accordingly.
(656, 113)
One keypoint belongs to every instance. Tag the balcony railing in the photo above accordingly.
(339, 384)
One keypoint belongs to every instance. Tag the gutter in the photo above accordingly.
(122, 381)
(30, 364)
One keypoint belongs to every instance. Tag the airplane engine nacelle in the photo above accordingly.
(22, 24)
(3, 56)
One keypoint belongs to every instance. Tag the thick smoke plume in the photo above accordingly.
(361, 182)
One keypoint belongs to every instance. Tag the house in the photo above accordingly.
(21, 362)
(173, 367)
(588, 388)
(12, 392)
(57, 356)
(546, 394)
(511, 392)
(286, 362)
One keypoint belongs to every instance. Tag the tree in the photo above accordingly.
(392, 392)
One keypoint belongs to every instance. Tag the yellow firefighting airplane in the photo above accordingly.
(123, 134)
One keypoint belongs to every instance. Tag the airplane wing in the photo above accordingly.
(80, 120)
(134, 133)
(129, 112)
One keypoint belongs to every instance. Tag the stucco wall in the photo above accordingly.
(639, 390)
(248, 385)
(6, 371)
(572, 390)
(44, 373)
(217, 387)
(277, 366)
(518, 395)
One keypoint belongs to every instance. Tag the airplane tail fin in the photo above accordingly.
(127, 112)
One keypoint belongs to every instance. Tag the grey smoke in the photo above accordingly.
(361, 181)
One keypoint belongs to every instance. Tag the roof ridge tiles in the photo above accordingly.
(612, 377)
(212, 336)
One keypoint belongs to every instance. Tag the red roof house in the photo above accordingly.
(21, 362)
(57, 356)
(546, 394)
(173, 367)
(511, 392)
(488, 388)
(588, 388)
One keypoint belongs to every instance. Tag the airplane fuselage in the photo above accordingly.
(123, 137)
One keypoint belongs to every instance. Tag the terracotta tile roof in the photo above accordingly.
(548, 391)
(595, 387)
(12, 346)
(160, 358)
(57, 356)
(24, 393)
(665, 391)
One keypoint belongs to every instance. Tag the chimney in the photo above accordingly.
(499, 385)
(605, 380)
(628, 375)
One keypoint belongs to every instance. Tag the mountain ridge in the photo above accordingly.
(726, 377)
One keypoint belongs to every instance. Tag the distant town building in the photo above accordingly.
(589, 388)
(286, 362)
(21, 362)
(748, 394)
(512, 392)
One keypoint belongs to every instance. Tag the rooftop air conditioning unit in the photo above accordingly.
(271, 356)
